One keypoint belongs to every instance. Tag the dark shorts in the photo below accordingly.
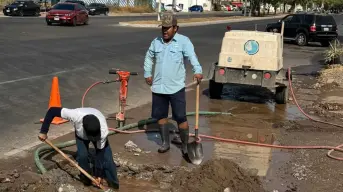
(160, 106)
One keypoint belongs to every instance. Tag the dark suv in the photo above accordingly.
(303, 28)
(22, 8)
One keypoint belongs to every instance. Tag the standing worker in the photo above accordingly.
(168, 83)
(90, 126)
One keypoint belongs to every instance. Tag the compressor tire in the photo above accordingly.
(281, 95)
(215, 89)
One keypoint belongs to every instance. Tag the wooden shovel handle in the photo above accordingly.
(75, 164)
(197, 107)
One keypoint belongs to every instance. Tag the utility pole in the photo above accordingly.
(159, 11)
(245, 8)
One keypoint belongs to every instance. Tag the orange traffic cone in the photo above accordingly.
(55, 101)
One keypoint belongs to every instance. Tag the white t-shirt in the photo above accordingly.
(76, 115)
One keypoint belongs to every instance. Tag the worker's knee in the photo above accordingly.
(183, 125)
(82, 157)
(181, 121)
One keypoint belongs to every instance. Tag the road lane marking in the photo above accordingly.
(39, 76)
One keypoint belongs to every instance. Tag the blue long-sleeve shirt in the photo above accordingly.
(170, 73)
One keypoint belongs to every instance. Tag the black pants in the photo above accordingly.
(104, 164)
(160, 106)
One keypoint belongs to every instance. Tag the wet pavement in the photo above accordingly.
(252, 120)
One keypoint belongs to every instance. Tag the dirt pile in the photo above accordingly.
(217, 175)
(332, 74)
(54, 180)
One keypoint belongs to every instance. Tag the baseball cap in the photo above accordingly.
(91, 125)
(168, 20)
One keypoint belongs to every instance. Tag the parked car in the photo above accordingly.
(21, 8)
(76, 1)
(303, 28)
(196, 8)
(67, 13)
(170, 7)
(97, 9)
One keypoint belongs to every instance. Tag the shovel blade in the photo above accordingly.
(195, 152)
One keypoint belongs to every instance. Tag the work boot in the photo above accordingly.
(184, 135)
(176, 138)
(164, 132)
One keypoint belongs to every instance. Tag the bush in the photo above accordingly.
(137, 9)
(333, 54)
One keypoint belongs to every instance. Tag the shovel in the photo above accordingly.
(77, 166)
(195, 151)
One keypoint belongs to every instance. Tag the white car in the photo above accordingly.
(169, 7)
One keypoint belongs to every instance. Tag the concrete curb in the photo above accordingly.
(126, 24)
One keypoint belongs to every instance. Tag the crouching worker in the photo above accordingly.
(90, 126)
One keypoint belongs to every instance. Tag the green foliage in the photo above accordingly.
(335, 51)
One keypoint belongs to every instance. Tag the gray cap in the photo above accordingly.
(168, 20)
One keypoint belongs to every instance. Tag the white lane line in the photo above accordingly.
(39, 76)
(34, 144)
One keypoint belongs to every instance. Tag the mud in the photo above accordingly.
(217, 175)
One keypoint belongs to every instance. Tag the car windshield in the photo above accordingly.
(64, 7)
(93, 5)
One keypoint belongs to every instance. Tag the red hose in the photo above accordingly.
(331, 149)
(89, 88)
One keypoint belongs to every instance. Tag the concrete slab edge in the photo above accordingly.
(29, 147)
(126, 24)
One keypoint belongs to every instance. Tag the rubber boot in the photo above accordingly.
(184, 135)
(176, 139)
(164, 132)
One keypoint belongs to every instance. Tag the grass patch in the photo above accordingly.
(138, 9)
(189, 20)
(331, 74)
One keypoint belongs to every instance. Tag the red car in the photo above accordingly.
(67, 13)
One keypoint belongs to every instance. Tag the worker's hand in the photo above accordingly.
(98, 182)
(198, 78)
(148, 80)
(42, 137)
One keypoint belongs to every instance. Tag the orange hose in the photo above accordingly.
(332, 149)
(89, 88)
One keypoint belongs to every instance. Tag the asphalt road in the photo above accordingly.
(150, 16)
(32, 53)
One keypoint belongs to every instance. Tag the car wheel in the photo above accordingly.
(21, 13)
(301, 39)
(37, 13)
(86, 22)
(48, 23)
(106, 13)
(74, 21)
